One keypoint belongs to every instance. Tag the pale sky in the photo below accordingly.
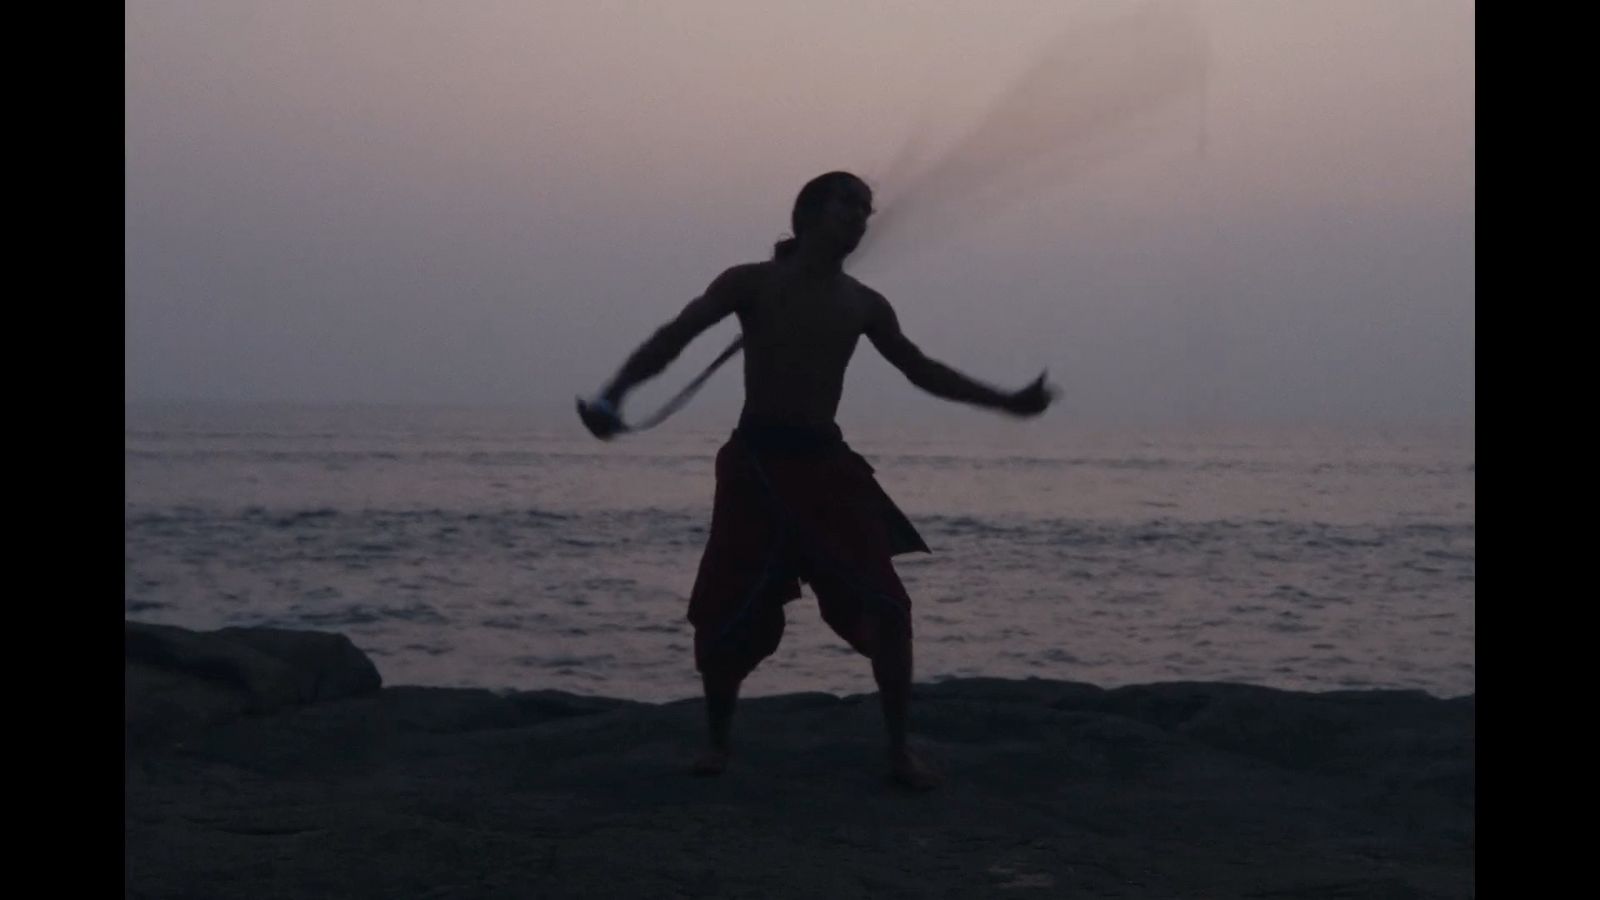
(1247, 210)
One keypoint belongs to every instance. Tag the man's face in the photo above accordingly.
(844, 217)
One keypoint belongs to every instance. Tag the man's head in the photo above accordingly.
(831, 210)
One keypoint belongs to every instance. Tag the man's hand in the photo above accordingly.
(601, 418)
(1031, 400)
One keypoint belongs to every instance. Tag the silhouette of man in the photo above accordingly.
(793, 502)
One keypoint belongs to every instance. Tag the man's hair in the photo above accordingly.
(808, 205)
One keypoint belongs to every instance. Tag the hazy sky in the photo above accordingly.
(1235, 211)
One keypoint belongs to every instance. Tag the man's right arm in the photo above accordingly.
(723, 298)
(938, 379)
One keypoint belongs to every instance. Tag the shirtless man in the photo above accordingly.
(793, 502)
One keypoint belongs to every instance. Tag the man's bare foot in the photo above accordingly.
(711, 762)
(906, 770)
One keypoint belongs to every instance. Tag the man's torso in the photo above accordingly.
(799, 335)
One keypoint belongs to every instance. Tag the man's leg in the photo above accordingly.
(722, 694)
(724, 668)
(891, 667)
(884, 636)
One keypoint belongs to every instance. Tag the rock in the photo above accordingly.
(176, 680)
(321, 665)
(1052, 789)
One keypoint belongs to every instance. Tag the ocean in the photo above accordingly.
(473, 547)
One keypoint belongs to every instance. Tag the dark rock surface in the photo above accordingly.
(269, 766)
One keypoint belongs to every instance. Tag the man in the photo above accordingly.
(793, 502)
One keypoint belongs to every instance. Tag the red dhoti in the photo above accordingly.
(792, 505)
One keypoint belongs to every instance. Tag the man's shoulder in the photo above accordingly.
(870, 299)
(738, 285)
(745, 275)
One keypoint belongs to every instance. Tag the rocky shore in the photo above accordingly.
(271, 763)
